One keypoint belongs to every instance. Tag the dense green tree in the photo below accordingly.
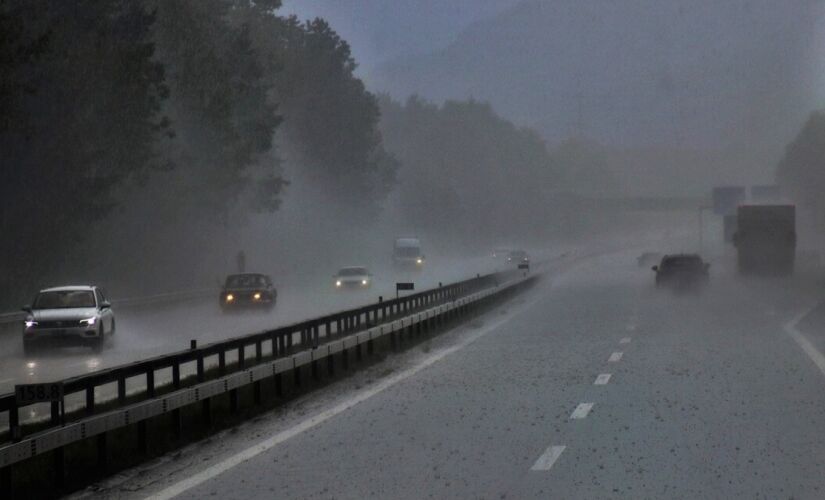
(81, 97)
(467, 174)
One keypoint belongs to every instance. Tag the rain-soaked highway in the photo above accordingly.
(162, 327)
(591, 385)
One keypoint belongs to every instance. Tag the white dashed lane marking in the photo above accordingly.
(602, 379)
(625, 340)
(548, 458)
(616, 356)
(582, 410)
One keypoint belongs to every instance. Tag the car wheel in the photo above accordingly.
(112, 330)
(97, 344)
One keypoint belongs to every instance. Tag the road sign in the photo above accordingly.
(727, 198)
(38, 393)
(403, 286)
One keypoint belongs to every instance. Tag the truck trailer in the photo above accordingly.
(765, 239)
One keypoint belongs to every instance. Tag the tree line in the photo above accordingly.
(173, 104)
(124, 121)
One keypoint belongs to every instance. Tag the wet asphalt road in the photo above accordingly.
(160, 328)
(698, 396)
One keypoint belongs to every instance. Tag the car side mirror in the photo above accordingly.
(655, 268)
(27, 309)
(105, 304)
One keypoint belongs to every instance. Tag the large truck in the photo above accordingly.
(765, 239)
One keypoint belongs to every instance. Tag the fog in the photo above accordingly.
(155, 147)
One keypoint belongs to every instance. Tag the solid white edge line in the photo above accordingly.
(548, 458)
(581, 411)
(790, 328)
(615, 357)
(253, 451)
(602, 379)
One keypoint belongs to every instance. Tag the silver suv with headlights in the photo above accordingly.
(74, 315)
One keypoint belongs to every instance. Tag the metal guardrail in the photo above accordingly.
(283, 341)
(422, 310)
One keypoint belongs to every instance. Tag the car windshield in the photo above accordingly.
(407, 251)
(352, 271)
(246, 281)
(682, 262)
(64, 299)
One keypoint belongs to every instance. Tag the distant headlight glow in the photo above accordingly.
(230, 297)
(419, 260)
(338, 283)
(257, 296)
(88, 321)
(30, 323)
(363, 282)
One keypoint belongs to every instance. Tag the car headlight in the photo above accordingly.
(363, 282)
(419, 260)
(30, 323)
(338, 283)
(88, 321)
(257, 296)
(230, 297)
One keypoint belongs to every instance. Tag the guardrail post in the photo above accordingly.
(279, 385)
(222, 363)
(233, 400)
(142, 439)
(102, 455)
(256, 392)
(259, 351)
(344, 359)
(330, 366)
(241, 357)
(315, 335)
(90, 399)
(150, 383)
(121, 390)
(5, 482)
(59, 463)
(14, 423)
(55, 413)
(296, 375)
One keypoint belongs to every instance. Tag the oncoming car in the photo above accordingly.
(353, 277)
(518, 257)
(75, 315)
(248, 289)
(682, 271)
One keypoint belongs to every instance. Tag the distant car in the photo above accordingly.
(407, 254)
(500, 253)
(648, 258)
(518, 257)
(682, 271)
(248, 289)
(353, 277)
(74, 315)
